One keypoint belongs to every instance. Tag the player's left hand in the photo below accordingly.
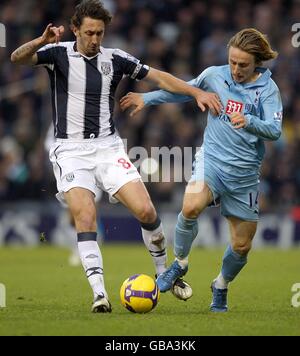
(238, 120)
(132, 100)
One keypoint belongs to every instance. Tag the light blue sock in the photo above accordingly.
(185, 234)
(232, 264)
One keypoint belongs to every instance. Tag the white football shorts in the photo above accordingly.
(97, 165)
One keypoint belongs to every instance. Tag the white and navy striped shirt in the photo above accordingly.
(83, 88)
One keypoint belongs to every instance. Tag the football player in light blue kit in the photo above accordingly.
(226, 169)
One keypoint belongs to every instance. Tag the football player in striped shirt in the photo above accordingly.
(88, 153)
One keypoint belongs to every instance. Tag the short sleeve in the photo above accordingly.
(46, 56)
(130, 65)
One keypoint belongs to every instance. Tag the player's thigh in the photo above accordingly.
(115, 171)
(120, 178)
(135, 197)
(241, 203)
(242, 233)
(73, 167)
(197, 197)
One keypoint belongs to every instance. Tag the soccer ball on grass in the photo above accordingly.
(139, 293)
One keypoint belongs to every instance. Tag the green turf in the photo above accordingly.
(47, 297)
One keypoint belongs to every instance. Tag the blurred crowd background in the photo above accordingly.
(182, 37)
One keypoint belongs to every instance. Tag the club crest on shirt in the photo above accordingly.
(106, 68)
(278, 116)
(70, 177)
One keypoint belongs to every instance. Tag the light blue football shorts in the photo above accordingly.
(237, 197)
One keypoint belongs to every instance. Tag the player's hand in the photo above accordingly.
(52, 34)
(210, 101)
(238, 120)
(132, 99)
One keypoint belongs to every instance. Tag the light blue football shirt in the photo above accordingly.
(239, 152)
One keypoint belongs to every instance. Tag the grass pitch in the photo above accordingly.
(45, 296)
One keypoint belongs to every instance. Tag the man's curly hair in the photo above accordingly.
(90, 8)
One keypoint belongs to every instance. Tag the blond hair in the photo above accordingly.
(253, 42)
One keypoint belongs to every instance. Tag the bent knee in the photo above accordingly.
(242, 249)
(85, 220)
(146, 213)
(191, 210)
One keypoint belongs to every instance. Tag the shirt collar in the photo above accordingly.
(75, 50)
(261, 81)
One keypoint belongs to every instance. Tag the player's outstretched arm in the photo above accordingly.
(26, 54)
(172, 84)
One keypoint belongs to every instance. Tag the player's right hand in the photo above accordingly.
(52, 34)
(132, 99)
